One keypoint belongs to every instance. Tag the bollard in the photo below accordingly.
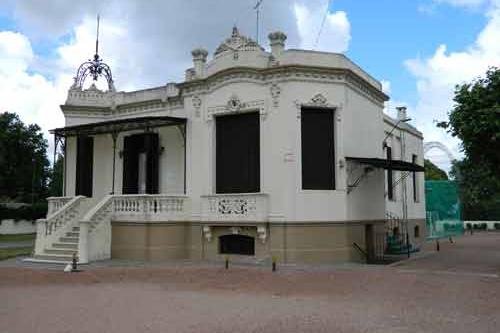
(274, 264)
(437, 245)
(227, 263)
(451, 240)
(408, 245)
(74, 263)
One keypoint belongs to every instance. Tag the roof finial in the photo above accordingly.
(235, 33)
(96, 56)
(94, 68)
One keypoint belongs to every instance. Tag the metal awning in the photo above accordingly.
(120, 125)
(387, 164)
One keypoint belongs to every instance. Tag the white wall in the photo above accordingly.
(11, 227)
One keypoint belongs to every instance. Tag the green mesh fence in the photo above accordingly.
(442, 207)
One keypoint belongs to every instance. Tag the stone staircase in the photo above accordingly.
(62, 250)
(58, 235)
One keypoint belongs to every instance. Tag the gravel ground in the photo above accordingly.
(454, 290)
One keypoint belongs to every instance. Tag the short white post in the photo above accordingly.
(83, 249)
(41, 225)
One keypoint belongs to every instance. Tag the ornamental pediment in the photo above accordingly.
(237, 43)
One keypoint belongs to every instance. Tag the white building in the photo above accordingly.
(256, 154)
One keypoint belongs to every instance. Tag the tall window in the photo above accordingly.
(237, 153)
(390, 189)
(318, 152)
(84, 165)
(415, 183)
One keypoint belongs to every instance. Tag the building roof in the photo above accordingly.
(119, 125)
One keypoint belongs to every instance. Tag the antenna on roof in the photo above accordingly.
(97, 38)
(322, 25)
(257, 8)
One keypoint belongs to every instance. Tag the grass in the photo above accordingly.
(14, 252)
(17, 238)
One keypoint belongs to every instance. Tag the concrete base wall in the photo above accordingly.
(287, 242)
(12, 227)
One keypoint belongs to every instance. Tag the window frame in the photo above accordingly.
(304, 109)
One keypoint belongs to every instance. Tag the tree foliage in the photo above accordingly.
(24, 167)
(432, 172)
(56, 177)
(475, 119)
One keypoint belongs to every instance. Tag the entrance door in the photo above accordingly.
(140, 164)
(84, 165)
(238, 153)
(237, 244)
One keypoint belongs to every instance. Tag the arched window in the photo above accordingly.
(237, 244)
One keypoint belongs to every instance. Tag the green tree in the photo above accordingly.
(56, 177)
(432, 172)
(24, 167)
(475, 119)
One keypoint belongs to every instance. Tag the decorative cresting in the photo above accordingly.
(235, 105)
(235, 207)
(95, 68)
(237, 43)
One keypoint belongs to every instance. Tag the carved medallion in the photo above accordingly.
(319, 100)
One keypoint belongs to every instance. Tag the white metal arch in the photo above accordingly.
(438, 145)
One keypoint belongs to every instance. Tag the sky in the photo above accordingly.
(418, 49)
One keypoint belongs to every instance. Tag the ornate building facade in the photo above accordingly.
(255, 155)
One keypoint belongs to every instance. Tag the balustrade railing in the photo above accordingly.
(235, 207)
(67, 213)
(56, 203)
(150, 207)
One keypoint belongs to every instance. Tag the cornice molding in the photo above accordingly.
(284, 73)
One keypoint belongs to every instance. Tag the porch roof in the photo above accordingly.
(387, 164)
(119, 125)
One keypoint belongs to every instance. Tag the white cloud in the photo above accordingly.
(28, 94)
(335, 34)
(146, 43)
(438, 74)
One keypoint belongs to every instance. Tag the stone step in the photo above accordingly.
(72, 234)
(63, 258)
(76, 229)
(68, 252)
(72, 246)
(73, 240)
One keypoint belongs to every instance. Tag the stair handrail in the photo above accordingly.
(47, 228)
(51, 221)
(92, 214)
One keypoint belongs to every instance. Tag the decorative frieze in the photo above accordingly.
(275, 94)
(235, 105)
(235, 207)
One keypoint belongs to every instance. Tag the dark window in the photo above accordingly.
(237, 244)
(390, 190)
(415, 192)
(416, 231)
(318, 167)
(238, 153)
(146, 144)
(84, 165)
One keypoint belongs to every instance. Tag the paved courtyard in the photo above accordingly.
(454, 290)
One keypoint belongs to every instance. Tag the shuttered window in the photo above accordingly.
(318, 152)
(145, 144)
(84, 165)
(238, 153)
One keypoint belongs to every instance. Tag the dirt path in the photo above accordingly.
(451, 291)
